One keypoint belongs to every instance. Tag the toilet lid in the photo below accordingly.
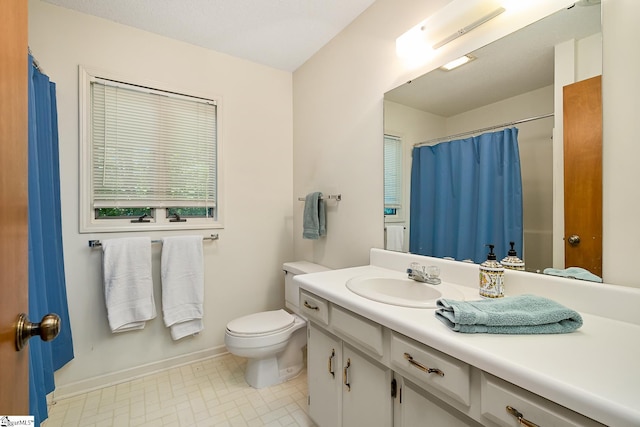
(261, 323)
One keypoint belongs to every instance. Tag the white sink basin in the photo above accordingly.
(402, 292)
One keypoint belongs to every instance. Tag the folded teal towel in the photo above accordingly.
(521, 314)
(313, 217)
(574, 273)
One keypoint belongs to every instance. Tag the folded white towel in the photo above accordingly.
(182, 272)
(395, 237)
(128, 286)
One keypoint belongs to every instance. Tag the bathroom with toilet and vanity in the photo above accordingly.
(427, 217)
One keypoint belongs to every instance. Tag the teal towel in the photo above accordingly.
(521, 314)
(313, 217)
(573, 273)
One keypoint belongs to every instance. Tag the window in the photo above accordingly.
(392, 177)
(149, 157)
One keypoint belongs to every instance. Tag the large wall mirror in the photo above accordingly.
(512, 80)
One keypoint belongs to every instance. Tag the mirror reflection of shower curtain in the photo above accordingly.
(466, 194)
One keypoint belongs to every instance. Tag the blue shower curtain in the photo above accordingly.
(47, 288)
(466, 194)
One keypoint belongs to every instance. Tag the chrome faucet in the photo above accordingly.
(420, 273)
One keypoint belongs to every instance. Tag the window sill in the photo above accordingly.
(192, 224)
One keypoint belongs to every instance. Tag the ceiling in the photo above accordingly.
(281, 34)
(518, 63)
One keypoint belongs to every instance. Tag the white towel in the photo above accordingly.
(395, 237)
(182, 272)
(128, 287)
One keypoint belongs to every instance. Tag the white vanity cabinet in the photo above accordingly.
(416, 407)
(346, 388)
(324, 376)
(348, 385)
(362, 373)
(504, 404)
(433, 388)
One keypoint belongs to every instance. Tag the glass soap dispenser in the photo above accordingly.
(491, 277)
(511, 261)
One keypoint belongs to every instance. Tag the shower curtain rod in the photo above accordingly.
(451, 137)
(35, 62)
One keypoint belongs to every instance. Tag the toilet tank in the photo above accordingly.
(292, 289)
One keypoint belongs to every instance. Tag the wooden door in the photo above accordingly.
(14, 397)
(583, 174)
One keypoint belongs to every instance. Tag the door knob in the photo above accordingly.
(47, 329)
(574, 239)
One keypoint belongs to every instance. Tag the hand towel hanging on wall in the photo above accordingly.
(128, 286)
(182, 272)
(314, 217)
(395, 237)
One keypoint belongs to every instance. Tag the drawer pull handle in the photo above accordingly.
(333, 355)
(422, 367)
(521, 420)
(311, 307)
(346, 375)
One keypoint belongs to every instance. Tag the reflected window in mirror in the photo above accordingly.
(393, 175)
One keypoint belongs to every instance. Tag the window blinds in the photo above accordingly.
(151, 148)
(392, 172)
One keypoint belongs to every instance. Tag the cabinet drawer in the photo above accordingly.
(497, 395)
(358, 329)
(314, 307)
(429, 367)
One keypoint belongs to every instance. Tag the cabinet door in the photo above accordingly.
(415, 407)
(324, 376)
(366, 391)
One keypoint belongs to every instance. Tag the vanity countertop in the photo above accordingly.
(594, 371)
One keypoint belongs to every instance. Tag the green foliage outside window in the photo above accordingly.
(115, 213)
(191, 212)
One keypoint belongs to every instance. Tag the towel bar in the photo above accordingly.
(336, 197)
(96, 243)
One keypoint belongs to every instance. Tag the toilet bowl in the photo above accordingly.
(272, 341)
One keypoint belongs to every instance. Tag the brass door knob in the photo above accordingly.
(574, 240)
(47, 329)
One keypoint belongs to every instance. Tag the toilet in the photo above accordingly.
(273, 341)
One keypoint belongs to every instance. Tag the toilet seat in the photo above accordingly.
(261, 324)
(241, 341)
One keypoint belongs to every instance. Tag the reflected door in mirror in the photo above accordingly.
(583, 174)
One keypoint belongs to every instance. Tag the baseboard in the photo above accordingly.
(90, 384)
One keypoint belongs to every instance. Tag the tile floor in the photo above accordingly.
(211, 392)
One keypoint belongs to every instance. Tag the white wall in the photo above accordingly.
(337, 136)
(338, 119)
(243, 271)
(338, 104)
(621, 150)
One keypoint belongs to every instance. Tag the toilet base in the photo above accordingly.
(276, 369)
(261, 373)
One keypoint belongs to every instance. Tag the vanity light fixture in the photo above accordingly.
(457, 62)
(466, 29)
(420, 43)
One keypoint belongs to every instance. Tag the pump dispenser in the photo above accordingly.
(511, 261)
(491, 277)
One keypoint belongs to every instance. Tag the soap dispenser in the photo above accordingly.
(511, 261)
(491, 277)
